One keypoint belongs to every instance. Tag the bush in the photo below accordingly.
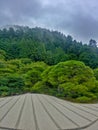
(4, 94)
(42, 87)
(83, 99)
(91, 95)
(26, 61)
(96, 73)
(39, 87)
(72, 90)
(11, 84)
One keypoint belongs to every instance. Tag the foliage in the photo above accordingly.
(96, 73)
(40, 44)
(41, 61)
(84, 99)
(71, 79)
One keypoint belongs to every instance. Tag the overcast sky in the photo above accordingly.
(78, 18)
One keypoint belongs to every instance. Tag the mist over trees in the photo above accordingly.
(51, 47)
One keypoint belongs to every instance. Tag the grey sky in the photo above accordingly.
(78, 18)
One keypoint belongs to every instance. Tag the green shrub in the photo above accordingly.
(72, 90)
(83, 99)
(42, 87)
(91, 95)
(4, 94)
(39, 87)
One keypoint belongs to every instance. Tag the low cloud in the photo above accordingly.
(75, 17)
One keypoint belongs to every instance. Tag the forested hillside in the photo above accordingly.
(42, 61)
(51, 47)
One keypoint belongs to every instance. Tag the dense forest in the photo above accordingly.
(42, 61)
(51, 47)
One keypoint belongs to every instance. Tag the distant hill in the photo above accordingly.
(41, 44)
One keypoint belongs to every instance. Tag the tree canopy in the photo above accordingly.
(51, 47)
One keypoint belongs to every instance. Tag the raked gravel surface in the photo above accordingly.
(43, 112)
